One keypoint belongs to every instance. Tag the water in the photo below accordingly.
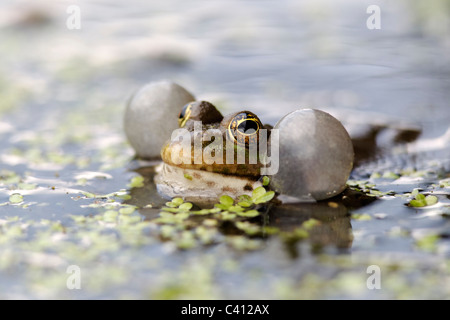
(63, 95)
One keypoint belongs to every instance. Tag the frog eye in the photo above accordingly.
(244, 128)
(184, 114)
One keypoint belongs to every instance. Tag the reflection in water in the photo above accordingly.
(333, 230)
(141, 197)
(335, 227)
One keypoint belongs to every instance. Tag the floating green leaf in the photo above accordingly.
(171, 209)
(124, 196)
(245, 204)
(165, 217)
(390, 175)
(137, 182)
(444, 183)
(127, 220)
(428, 243)
(26, 186)
(177, 201)
(185, 206)
(245, 201)
(266, 197)
(221, 206)
(236, 208)
(225, 215)
(226, 200)
(423, 201)
(127, 210)
(420, 197)
(416, 203)
(244, 197)
(265, 181)
(9, 177)
(110, 216)
(430, 200)
(88, 194)
(361, 216)
(16, 198)
(248, 214)
(171, 205)
(206, 211)
(182, 215)
(258, 192)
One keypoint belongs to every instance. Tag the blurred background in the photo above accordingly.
(271, 58)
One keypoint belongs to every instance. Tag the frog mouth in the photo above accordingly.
(200, 186)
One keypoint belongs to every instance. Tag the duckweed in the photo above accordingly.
(112, 224)
(428, 242)
(127, 210)
(361, 216)
(16, 198)
(248, 214)
(137, 182)
(266, 197)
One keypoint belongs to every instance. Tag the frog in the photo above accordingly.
(210, 167)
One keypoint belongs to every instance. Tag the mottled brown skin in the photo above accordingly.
(212, 119)
(200, 111)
